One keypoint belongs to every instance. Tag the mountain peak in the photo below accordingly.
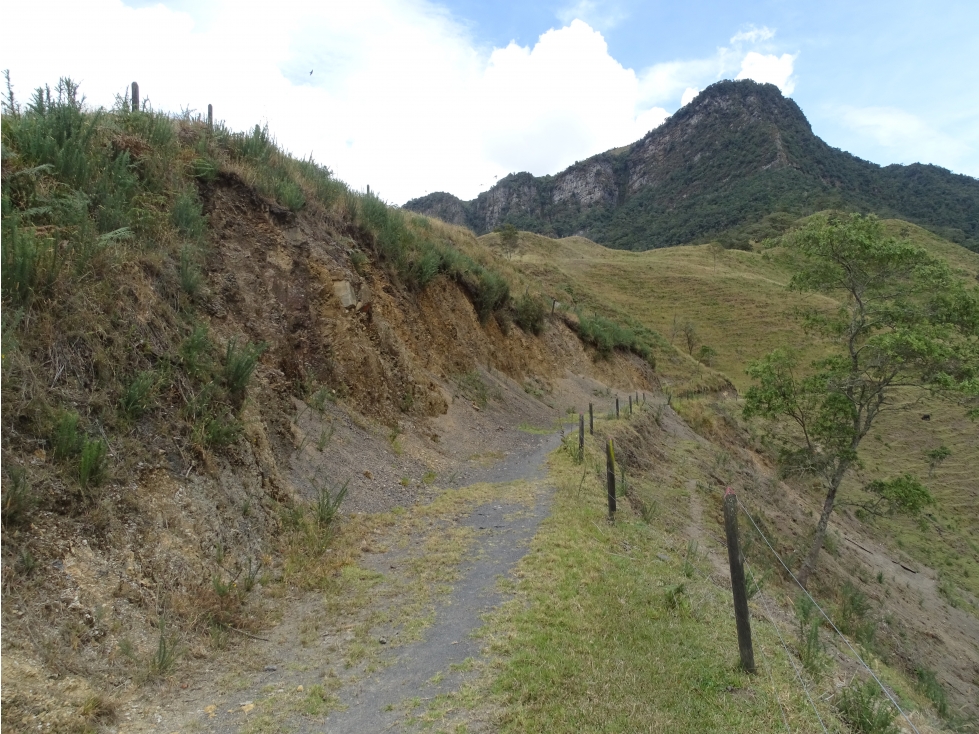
(738, 152)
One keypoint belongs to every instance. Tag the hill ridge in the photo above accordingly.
(738, 163)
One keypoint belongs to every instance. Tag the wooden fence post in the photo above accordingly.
(610, 476)
(135, 99)
(741, 618)
(581, 436)
(591, 420)
(630, 405)
(616, 406)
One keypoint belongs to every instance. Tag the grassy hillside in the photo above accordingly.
(177, 359)
(739, 305)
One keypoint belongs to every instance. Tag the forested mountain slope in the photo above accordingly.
(737, 163)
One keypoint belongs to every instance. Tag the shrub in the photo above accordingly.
(92, 464)
(865, 708)
(811, 650)
(194, 351)
(239, 364)
(531, 312)
(17, 499)
(933, 689)
(328, 504)
(189, 272)
(136, 398)
(31, 264)
(187, 216)
(66, 440)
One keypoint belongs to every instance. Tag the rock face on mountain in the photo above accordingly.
(730, 166)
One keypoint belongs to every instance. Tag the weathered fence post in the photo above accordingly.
(591, 420)
(616, 406)
(135, 99)
(610, 476)
(741, 617)
(553, 305)
(630, 405)
(581, 436)
(210, 117)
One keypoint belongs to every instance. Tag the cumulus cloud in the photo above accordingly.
(689, 94)
(770, 69)
(401, 96)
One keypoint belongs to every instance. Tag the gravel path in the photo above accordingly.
(375, 704)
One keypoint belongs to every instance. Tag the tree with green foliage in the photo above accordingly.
(906, 325)
(508, 239)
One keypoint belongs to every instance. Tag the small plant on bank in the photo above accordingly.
(194, 352)
(930, 686)
(165, 656)
(239, 364)
(92, 464)
(811, 650)
(530, 313)
(137, 397)
(18, 498)
(189, 272)
(66, 440)
(328, 504)
(866, 709)
(689, 569)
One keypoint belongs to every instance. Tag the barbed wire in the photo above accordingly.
(826, 617)
(798, 673)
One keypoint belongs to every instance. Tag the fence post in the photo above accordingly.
(135, 99)
(741, 617)
(630, 405)
(616, 406)
(610, 475)
(581, 436)
(591, 420)
(210, 117)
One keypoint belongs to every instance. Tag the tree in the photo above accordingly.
(690, 336)
(905, 324)
(508, 239)
(716, 250)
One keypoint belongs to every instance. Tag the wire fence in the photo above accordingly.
(829, 621)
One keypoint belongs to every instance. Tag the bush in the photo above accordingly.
(930, 686)
(607, 336)
(187, 216)
(531, 312)
(137, 396)
(239, 364)
(92, 464)
(17, 499)
(66, 441)
(865, 708)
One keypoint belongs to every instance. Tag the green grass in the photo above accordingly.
(604, 636)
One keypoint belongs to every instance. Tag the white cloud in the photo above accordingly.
(689, 94)
(902, 136)
(769, 68)
(401, 96)
(602, 16)
(753, 35)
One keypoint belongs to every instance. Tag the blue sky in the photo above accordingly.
(413, 96)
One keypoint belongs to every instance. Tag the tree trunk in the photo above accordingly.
(817, 541)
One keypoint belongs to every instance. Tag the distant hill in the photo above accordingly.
(739, 162)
